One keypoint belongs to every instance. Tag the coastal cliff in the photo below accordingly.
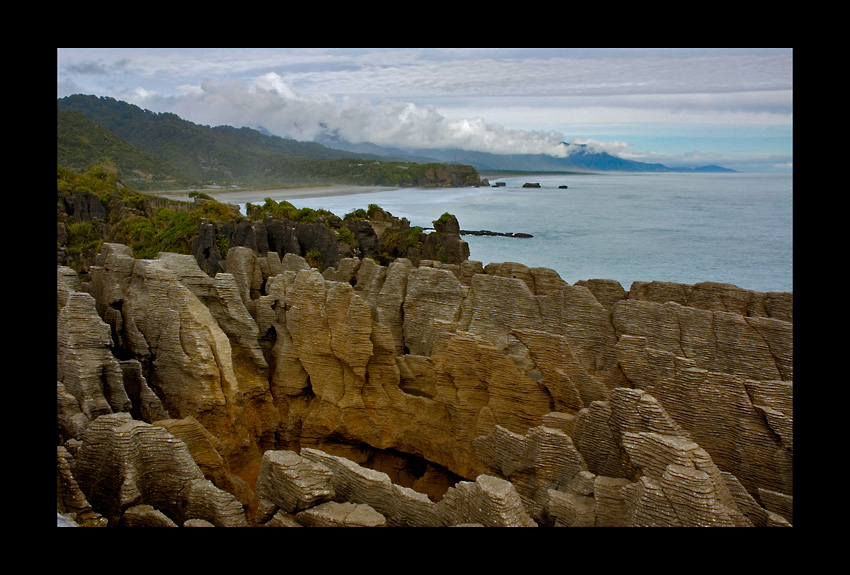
(403, 393)
(295, 368)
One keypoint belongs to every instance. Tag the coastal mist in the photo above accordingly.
(679, 227)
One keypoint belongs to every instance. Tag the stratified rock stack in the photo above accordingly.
(444, 244)
(417, 395)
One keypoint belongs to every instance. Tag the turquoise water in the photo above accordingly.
(689, 228)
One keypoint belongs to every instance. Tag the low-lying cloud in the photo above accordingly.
(274, 104)
(506, 101)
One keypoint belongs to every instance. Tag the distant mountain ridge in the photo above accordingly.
(161, 150)
(196, 154)
(581, 160)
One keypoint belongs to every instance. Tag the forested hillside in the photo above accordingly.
(82, 142)
(162, 151)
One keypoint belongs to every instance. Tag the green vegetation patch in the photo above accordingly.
(282, 209)
(396, 242)
(167, 231)
(347, 236)
(314, 258)
(172, 228)
(150, 224)
(83, 237)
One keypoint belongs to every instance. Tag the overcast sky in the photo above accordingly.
(731, 107)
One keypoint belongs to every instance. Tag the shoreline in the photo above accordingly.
(278, 194)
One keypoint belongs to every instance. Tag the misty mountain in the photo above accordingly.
(151, 131)
(200, 153)
(163, 151)
(581, 159)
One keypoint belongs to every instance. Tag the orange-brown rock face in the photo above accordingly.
(643, 405)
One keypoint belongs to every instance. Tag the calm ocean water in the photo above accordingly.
(688, 228)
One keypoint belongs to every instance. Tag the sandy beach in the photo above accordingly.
(259, 196)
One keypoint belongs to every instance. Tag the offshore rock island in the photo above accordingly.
(302, 369)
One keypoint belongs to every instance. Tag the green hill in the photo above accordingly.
(199, 155)
(82, 143)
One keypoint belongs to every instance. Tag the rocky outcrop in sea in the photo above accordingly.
(270, 393)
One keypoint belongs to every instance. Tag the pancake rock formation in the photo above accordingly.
(435, 394)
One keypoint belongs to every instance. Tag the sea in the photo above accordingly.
(679, 227)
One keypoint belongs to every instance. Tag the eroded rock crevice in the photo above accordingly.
(416, 394)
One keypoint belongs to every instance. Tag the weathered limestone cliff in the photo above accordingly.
(416, 395)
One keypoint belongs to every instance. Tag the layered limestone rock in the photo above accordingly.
(349, 482)
(122, 463)
(291, 483)
(433, 296)
(540, 281)
(488, 501)
(752, 347)
(576, 404)
(714, 296)
(146, 516)
(316, 489)
(652, 475)
(544, 459)
(205, 448)
(745, 424)
(72, 505)
(186, 356)
(87, 370)
(673, 480)
(333, 514)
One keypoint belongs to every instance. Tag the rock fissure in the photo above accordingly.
(427, 362)
(773, 354)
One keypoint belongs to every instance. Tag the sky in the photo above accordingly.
(675, 106)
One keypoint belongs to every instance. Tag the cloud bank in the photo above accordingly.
(273, 103)
(737, 102)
